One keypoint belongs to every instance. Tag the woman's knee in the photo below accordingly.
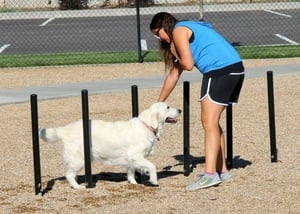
(210, 114)
(209, 123)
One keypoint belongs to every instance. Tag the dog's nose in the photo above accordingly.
(179, 111)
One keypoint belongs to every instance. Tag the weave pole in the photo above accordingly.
(86, 138)
(272, 117)
(186, 128)
(134, 100)
(229, 135)
(135, 113)
(36, 144)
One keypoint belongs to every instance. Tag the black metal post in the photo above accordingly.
(134, 100)
(36, 144)
(135, 113)
(86, 138)
(229, 136)
(272, 117)
(138, 26)
(186, 127)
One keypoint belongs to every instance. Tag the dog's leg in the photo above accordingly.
(147, 167)
(71, 175)
(72, 167)
(73, 163)
(131, 175)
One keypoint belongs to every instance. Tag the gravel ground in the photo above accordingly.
(259, 186)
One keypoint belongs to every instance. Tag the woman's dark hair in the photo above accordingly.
(167, 22)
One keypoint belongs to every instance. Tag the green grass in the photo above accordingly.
(7, 61)
(262, 52)
(9, 10)
(246, 52)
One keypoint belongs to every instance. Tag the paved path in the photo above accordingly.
(20, 95)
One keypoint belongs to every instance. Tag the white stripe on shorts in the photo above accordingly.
(241, 73)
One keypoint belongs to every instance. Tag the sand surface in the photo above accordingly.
(259, 186)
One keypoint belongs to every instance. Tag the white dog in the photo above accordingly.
(125, 143)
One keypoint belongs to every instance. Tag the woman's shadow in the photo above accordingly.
(237, 161)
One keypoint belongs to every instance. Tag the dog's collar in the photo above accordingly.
(150, 128)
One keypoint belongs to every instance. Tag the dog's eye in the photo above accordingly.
(168, 107)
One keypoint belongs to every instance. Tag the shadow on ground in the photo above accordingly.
(167, 171)
(113, 177)
(237, 162)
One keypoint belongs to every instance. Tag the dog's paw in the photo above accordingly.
(83, 186)
(132, 182)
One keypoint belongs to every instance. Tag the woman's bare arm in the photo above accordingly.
(169, 83)
(181, 47)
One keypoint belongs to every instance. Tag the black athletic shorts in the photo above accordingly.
(223, 86)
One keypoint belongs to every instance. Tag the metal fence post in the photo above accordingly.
(138, 26)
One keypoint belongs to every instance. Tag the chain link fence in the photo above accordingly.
(39, 27)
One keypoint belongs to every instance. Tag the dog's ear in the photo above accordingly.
(155, 119)
(158, 120)
(152, 116)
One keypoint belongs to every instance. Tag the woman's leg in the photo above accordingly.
(210, 117)
(213, 137)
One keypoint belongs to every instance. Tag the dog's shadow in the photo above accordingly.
(167, 171)
(113, 177)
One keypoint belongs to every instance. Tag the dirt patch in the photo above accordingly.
(259, 186)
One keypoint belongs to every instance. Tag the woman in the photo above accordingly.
(185, 44)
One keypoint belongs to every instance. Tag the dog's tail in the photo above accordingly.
(49, 135)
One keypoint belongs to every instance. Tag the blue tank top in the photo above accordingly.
(209, 49)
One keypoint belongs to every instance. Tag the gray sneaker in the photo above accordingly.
(225, 176)
(204, 181)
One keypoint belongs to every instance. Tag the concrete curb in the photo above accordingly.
(20, 95)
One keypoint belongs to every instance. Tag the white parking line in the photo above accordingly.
(286, 39)
(4, 47)
(280, 14)
(46, 22)
(144, 45)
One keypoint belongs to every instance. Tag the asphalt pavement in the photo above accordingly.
(21, 95)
